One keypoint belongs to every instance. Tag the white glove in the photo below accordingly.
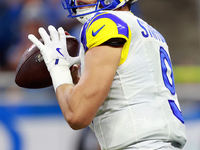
(55, 54)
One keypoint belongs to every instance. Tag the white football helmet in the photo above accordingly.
(85, 13)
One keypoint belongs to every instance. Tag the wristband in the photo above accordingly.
(60, 75)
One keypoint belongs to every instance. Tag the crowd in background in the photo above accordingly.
(18, 18)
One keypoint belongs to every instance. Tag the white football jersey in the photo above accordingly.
(142, 103)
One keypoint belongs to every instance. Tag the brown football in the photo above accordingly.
(32, 72)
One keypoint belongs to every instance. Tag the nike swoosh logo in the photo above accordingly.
(96, 32)
(58, 50)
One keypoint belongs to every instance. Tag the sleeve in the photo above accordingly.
(104, 27)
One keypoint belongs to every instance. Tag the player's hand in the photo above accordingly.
(54, 49)
(55, 54)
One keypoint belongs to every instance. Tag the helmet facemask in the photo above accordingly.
(74, 10)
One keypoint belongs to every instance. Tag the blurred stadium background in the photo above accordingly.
(31, 119)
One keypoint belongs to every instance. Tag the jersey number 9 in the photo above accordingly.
(168, 78)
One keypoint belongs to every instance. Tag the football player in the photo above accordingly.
(126, 91)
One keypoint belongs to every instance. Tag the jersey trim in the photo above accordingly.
(115, 42)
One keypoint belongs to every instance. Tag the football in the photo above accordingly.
(32, 72)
